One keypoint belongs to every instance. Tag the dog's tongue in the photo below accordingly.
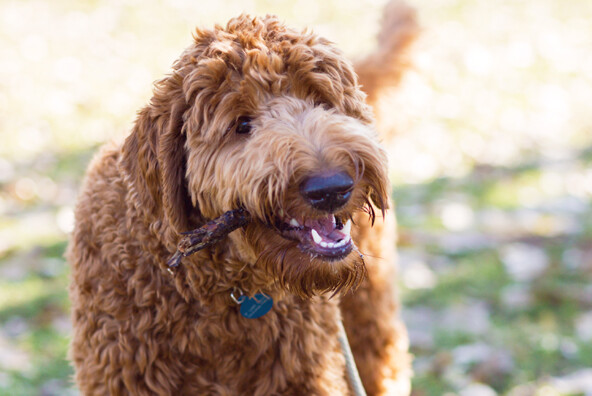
(326, 229)
(324, 226)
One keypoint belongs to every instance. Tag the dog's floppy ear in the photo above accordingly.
(154, 155)
(172, 159)
(154, 160)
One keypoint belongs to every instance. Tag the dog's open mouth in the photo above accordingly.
(328, 238)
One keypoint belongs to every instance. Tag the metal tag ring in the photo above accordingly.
(241, 296)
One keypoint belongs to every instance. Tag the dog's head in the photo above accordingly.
(261, 117)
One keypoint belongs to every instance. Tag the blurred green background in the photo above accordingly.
(492, 172)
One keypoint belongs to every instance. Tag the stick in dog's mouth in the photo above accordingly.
(209, 234)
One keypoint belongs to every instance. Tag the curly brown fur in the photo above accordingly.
(140, 330)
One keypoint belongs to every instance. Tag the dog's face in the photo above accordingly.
(272, 121)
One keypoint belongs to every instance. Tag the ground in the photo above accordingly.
(492, 176)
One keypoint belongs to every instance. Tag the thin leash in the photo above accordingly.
(262, 303)
(350, 364)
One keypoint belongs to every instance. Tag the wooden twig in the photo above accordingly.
(209, 234)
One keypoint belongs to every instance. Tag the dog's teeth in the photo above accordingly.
(316, 237)
(324, 244)
(334, 221)
(343, 242)
(294, 223)
(347, 228)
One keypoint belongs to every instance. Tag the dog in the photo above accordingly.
(264, 119)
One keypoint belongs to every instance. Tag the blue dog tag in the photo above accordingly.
(255, 307)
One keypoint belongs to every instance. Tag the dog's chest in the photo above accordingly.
(291, 349)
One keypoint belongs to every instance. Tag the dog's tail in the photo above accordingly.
(384, 67)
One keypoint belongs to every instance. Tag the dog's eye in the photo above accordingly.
(322, 104)
(243, 125)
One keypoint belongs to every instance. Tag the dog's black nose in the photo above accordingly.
(327, 193)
